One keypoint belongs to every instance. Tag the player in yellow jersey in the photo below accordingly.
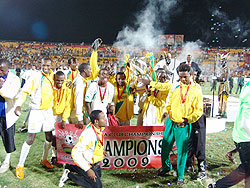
(155, 103)
(86, 72)
(41, 115)
(185, 107)
(124, 100)
(61, 106)
(87, 154)
(73, 72)
(62, 99)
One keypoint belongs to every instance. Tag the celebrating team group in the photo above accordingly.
(97, 97)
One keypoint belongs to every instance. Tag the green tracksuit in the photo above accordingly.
(181, 136)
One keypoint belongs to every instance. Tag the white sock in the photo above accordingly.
(24, 153)
(53, 149)
(46, 147)
(7, 158)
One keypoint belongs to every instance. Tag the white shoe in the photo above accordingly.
(4, 167)
(202, 175)
(64, 177)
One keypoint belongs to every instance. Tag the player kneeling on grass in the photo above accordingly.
(87, 154)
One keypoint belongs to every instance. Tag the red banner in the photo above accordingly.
(65, 141)
(126, 146)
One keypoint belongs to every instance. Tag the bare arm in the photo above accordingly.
(88, 108)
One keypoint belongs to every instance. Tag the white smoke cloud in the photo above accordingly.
(147, 26)
(190, 48)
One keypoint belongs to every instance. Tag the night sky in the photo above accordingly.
(79, 21)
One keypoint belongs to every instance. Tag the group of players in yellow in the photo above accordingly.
(81, 94)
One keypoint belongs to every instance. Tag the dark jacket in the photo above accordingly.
(194, 66)
(241, 80)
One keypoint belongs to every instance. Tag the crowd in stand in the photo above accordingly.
(22, 55)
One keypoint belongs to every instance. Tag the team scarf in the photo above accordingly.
(45, 76)
(101, 140)
(183, 99)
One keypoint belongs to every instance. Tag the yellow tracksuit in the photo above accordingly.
(41, 90)
(62, 101)
(72, 75)
(161, 86)
(94, 66)
(158, 99)
(192, 109)
(88, 149)
(124, 107)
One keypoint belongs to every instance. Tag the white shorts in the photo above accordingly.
(39, 119)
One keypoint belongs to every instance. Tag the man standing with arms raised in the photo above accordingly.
(86, 72)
